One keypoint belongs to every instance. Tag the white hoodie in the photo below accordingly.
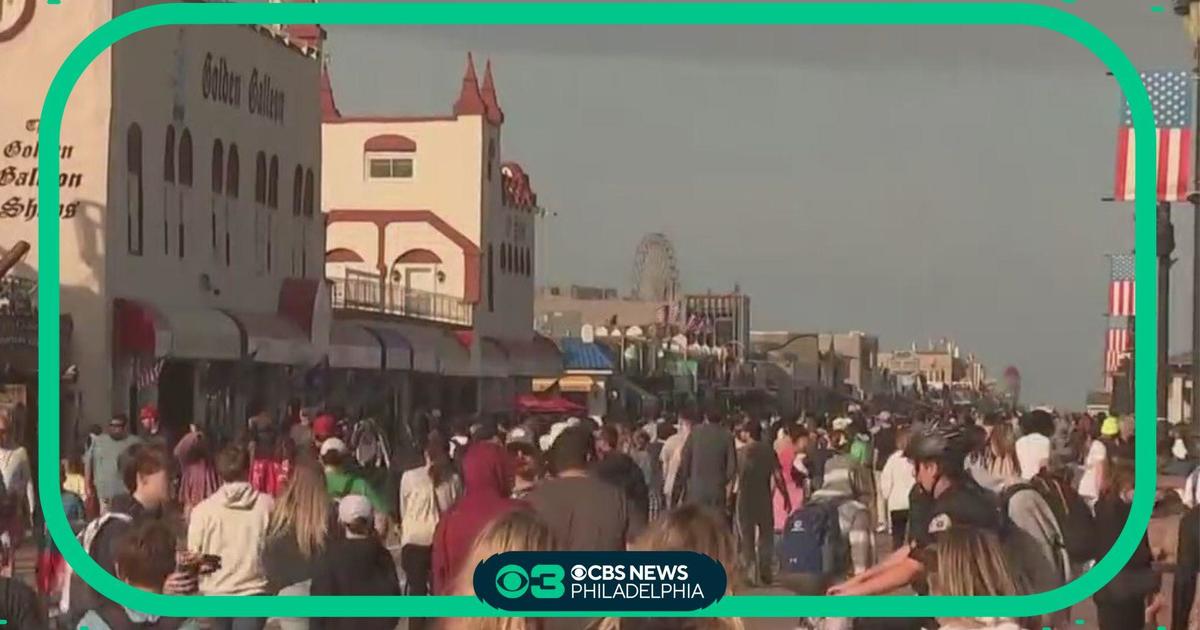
(232, 524)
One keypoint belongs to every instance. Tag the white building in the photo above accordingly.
(191, 235)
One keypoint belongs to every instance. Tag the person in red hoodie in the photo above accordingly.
(487, 489)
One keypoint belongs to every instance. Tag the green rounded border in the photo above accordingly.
(591, 13)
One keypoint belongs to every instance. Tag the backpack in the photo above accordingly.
(812, 543)
(86, 538)
(1074, 517)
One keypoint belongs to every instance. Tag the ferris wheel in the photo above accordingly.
(655, 269)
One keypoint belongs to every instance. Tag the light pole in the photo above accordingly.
(1189, 10)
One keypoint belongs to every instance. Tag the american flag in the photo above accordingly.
(1118, 345)
(147, 373)
(1171, 98)
(1120, 286)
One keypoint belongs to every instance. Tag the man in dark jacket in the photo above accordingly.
(707, 466)
(622, 471)
(358, 564)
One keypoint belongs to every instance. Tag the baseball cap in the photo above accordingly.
(148, 411)
(520, 434)
(353, 507)
(1111, 426)
(333, 445)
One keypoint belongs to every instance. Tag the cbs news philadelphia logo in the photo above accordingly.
(599, 581)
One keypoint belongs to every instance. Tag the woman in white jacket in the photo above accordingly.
(896, 481)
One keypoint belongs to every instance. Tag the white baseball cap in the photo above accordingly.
(333, 445)
(353, 507)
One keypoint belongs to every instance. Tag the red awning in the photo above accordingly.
(177, 332)
(532, 403)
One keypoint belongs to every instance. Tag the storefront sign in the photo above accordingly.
(222, 84)
(14, 17)
(19, 171)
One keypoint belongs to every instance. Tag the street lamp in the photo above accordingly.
(1189, 10)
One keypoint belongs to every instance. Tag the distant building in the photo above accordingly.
(719, 321)
(561, 311)
(861, 352)
(939, 365)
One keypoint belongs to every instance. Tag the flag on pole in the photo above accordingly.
(1121, 286)
(1118, 345)
(1172, 101)
(149, 373)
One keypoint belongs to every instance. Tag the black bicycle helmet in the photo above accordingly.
(941, 441)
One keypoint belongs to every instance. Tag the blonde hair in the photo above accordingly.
(302, 510)
(970, 562)
(516, 530)
(692, 528)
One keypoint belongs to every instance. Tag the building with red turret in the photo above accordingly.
(430, 242)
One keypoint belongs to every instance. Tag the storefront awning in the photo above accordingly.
(271, 338)
(493, 359)
(579, 355)
(352, 346)
(571, 384)
(535, 357)
(397, 349)
(531, 403)
(176, 332)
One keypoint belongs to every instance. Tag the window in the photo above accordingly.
(260, 200)
(390, 167)
(168, 180)
(218, 187)
(504, 257)
(491, 282)
(233, 175)
(185, 181)
(133, 189)
(491, 157)
(309, 203)
(169, 155)
(260, 178)
(273, 185)
(297, 190)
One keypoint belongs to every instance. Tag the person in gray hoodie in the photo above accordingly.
(232, 525)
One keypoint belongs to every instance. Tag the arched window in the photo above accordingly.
(233, 178)
(185, 158)
(233, 171)
(260, 178)
(273, 184)
(491, 158)
(218, 167)
(309, 193)
(504, 257)
(185, 180)
(133, 189)
(169, 155)
(528, 262)
(218, 186)
(297, 191)
(491, 281)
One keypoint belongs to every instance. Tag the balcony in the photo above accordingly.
(368, 292)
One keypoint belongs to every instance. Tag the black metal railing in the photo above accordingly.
(371, 293)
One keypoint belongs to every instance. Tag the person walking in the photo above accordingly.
(298, 534)
(1096, 459)
(584, 512)
(970, 562)
(896, 482)
(672, 450)
(102, 467)
(426, 493)
(487, 476)
(1128, 599)
(759, 479)
(341, 480)
(357, 564)
(707, 466)
(791, 451)
(198, 477)
(1002, 454)
(232, 524)
(17, 498)
(621, 470)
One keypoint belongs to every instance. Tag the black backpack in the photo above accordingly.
(1074, 517)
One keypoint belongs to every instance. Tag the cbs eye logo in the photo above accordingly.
(543, 581)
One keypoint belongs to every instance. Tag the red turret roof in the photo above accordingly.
(470, 102)
(329, 109)
(495, 115)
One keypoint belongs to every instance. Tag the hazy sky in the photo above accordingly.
(915, 182)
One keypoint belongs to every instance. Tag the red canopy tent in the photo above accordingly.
(532, 403)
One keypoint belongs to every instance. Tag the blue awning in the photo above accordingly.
(578, 355)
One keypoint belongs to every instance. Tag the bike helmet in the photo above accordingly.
(942, 441)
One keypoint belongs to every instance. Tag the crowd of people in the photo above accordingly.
(972, 504)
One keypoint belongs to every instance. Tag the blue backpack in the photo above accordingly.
(811, 542)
